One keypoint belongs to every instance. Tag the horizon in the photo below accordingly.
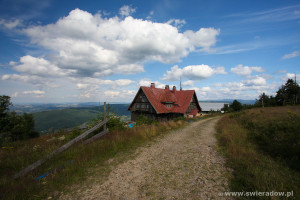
(116, 102)
(64, 52)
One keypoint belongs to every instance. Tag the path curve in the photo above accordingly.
(181, 165)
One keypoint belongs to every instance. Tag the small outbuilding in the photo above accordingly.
(164, 104)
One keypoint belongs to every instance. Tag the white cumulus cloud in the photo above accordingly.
(245, 70)
(91, 45)
(257, 81)
(188, 83)
(192, 72)
(81, 50)
(204, 37)
(38, 66)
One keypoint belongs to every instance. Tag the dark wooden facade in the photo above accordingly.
(142, 106)
(193, 104)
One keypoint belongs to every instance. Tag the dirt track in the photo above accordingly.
(181, 165)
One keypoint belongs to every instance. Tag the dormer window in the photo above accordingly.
(169, 105)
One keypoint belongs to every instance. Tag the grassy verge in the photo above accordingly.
(261, 146)
(71, 166)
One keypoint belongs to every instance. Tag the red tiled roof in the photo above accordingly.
(180, 99)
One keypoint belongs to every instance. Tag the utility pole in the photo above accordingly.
(180, 84)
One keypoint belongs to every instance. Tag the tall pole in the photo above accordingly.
(180, 84)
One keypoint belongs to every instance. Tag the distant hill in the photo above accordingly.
(229, 101)
(39, 107)
(72, 117)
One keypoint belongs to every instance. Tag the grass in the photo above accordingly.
(249, 141)
(84, 159)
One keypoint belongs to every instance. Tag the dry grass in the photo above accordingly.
(85, 157)
(255, 170)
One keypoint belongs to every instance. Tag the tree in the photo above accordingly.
(14, 126)
(4, 103)
(288, 94)
(236, 106)
(225, 107)
(4, 108)
(263, 98)
(265, 101)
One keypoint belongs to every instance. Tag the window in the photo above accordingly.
(142, 106)
(168, 105)
(147, 106)
(137, 105)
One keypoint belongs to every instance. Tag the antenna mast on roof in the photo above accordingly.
(180, 83)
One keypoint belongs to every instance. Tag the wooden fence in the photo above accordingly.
(67, 145)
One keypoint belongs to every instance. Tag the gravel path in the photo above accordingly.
(181, 165)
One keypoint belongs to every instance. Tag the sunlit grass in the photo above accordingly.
(253, 168)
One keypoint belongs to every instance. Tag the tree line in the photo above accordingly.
(13, 126)
(287, 94)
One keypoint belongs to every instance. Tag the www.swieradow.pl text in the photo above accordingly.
(257, 194)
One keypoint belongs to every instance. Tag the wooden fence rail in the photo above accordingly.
(95, 137)
(67, 145)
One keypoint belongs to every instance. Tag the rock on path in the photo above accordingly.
(181, 165)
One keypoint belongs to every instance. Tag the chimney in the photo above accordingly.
(167, 87)
(152, 85)
(174, 88)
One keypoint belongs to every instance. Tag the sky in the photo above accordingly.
(93, 51)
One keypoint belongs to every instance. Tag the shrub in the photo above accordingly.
(142, 119)
(179, 119)
(115, 123)
(75, 132)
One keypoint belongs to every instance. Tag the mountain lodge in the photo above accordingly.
(164, 104)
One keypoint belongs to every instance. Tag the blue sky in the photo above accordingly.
(82, 51)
